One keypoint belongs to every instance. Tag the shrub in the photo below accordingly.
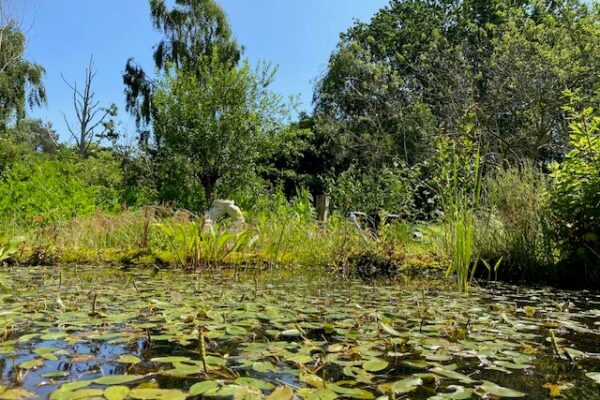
(371, 262)
(391, 189)
(513, 226)
(40, 188)
(575, 196)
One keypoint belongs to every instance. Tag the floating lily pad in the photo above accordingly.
(129, 359)
(490, 388)
(156, 394)
(117, 379)
(203, 387)
(116, 392)
(281, 393)
(375, 365)
(595, 376)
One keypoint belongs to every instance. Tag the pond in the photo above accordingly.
(100, 332)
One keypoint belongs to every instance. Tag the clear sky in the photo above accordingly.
(297, 35)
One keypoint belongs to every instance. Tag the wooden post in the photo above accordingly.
(323, 207)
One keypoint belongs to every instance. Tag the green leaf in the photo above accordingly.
(595, 376)
(374, 365)
(17, 394)
(157, 394)
(203, 387)
(281, 393)
(31, 364)
(490, 388)
(129, 359)
(117, 379)
(254, 383)
(116, 392)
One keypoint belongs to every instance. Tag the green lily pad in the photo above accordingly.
(31, 364)
(17, 394)
(129, 359)
(595, 376)
(116, 392)
(490, 388)
(254, 383)
(375, 365)
(317, 394)
(452, 375)
(203, 387)
(281, 393)
(157, 394)
(117, 379)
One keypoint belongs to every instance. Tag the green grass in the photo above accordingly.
(286, 235)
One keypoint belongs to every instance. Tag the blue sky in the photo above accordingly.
(298, 35)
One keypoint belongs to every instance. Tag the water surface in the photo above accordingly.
(99, 332)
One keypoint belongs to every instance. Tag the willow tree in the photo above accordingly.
(20, 80)
(190, 30)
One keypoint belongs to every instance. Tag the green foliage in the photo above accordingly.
(9, 248)
(575, 196)
(194, 247)
(460, 182)
(216, 126)
(371, 262)
(20, 80)
(514, 226)
(42, 188)
(191, 31)
(418, 67)
(390, 189)
(32, 134)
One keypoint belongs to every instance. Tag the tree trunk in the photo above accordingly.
(208, 182)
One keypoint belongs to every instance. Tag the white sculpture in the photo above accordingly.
(221, 208)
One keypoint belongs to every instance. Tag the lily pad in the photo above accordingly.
(490, 388)
(116, 392)
(157, 394)
(375, 365)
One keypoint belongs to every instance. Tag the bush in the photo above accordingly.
(38, 187)
(514, 224)
(391, 189)
(575, 196)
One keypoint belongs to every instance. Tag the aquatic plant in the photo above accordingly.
(195, 247)
(9, 248)
(147, 334)
(461, 182)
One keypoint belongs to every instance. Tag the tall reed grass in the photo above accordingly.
(461, 202)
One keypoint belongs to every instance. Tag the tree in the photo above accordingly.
(20, 80)
(215, 124)
(93, 122)
(192, 29)
(575, 195)
(38, 135)
(419, 66)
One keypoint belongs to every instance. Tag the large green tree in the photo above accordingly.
(420, 66)
(216, 126)
(205, 116)
(20, 80)
(190, 31)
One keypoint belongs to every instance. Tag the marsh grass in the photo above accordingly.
(193, 246)
(277, 233)
(461, 204)
(516, 226)
(281, 233)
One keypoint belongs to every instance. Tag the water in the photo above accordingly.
(62, 330)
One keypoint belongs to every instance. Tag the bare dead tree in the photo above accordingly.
(93, 121)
